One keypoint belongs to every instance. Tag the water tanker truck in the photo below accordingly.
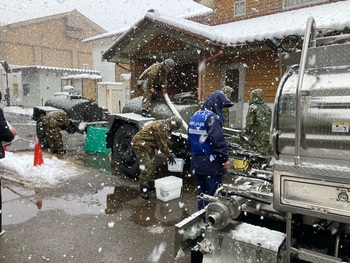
(298, 208)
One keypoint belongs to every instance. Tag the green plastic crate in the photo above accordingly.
(95, 141)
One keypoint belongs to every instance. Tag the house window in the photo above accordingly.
(295, 3)
(239, 7)
(26, 90)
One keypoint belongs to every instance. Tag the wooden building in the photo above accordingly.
(226, 47)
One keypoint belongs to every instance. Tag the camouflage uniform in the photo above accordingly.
(258, 122)
(155, 76)
(53, 122)
(227, 90)
(150, 138)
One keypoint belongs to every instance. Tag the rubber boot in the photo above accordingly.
(144, 193)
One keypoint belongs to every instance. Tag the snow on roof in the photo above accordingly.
(105, 35)
(57, 69)
(199, 12)
(334, 16)
(112, 83)
(82, 76)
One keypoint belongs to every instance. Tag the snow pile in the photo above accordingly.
(21, 167)
(256, 235)
(18, 110)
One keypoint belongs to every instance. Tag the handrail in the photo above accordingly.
(310, 34)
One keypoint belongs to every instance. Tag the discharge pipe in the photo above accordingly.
(172, 108)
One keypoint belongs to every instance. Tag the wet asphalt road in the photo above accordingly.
(97, 217)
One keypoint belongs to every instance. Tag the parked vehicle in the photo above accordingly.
(298, 209)
(81, 111)
(123, 126)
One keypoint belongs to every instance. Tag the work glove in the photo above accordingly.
(171, 160)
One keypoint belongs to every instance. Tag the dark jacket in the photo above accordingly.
(5, 133)
(208, 145)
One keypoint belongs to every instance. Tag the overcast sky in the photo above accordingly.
(112, 15)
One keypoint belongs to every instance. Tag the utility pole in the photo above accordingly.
(7, 70)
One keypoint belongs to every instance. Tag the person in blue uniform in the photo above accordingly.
(209, 160)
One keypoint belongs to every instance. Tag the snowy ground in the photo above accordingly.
(19, 166)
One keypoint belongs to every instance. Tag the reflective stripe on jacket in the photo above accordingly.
(208, 145)
(197, 132)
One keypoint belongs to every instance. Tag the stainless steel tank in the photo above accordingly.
(325, 113)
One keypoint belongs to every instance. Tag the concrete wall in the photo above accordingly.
(107, 69)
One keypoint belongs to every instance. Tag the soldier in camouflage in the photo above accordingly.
(154, 80)
(227, 90)
(150, 138)
(53, 122)
(258, 122)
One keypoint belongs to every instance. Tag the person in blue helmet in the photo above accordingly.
(209, 160)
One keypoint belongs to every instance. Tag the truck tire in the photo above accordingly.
(122, 152)
(41, 135)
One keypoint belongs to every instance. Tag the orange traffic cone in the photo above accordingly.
(38, 156)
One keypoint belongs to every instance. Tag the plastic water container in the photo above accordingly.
(176, 167)
(168, 188)
(95, 141)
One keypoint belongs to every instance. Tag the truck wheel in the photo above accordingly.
(123, 153)
(41, 135)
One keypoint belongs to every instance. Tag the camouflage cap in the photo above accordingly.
(227, 90)
(170, 64)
